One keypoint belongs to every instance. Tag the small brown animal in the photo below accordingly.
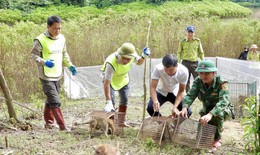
(106, 149)
(103, 124)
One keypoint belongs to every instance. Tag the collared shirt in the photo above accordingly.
(37, 57)
(190, 50)
(170, 84)
(215, 98)
(253, 56)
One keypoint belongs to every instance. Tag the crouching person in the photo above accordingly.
(115, 69)
(168, 77)
(212, 90)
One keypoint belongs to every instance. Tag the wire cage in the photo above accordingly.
(179, 130)
(160, 129)
(191, 133)
(239, 91)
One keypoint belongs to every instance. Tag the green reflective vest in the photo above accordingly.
(120, 77)
(52, 49)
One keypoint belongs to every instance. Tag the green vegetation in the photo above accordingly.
(172, 9)
(248, 3)
(92, 34)
(251, 124)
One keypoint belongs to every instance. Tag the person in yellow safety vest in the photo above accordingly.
(253, 54)
(115, 76)
(49, 52)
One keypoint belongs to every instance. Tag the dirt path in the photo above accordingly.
(256, 13)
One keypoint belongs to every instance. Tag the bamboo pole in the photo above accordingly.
(144, 78)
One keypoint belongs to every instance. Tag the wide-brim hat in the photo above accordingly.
(127, 50)
(206, 66)
(254, 46)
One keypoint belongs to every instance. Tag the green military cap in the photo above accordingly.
(127, 50)
(206, 66)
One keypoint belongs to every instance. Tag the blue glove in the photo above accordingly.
(49, 63)
(146, 52)
(73, 70)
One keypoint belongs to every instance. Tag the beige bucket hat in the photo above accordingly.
(127, 50)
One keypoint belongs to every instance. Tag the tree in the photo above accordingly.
(4, 4)
(8, 96)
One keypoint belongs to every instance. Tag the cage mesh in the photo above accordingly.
(182, 131)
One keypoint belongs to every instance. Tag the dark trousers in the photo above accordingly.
(123, 95)
(162, 99)
(51, 89)
(191, 66)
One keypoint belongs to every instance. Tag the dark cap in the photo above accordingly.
(191, 28)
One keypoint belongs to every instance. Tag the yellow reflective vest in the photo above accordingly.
(120, 77)
(52, 49)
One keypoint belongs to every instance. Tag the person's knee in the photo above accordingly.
(54, 105)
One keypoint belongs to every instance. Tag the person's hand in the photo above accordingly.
(73, 70)
(49, 63)
(175, 112)
(146, 52)
(156, 106)
(184, 112)
(109, 106)
(205, 119)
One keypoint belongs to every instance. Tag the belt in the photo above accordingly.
(190, 61)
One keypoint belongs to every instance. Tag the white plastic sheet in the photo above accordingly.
(88, 82)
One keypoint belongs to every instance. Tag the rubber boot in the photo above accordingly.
(48, 118)
(121, 116)
(59, 118)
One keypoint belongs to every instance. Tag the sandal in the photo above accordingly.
(217, 143)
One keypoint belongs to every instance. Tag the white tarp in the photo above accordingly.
(88, 83)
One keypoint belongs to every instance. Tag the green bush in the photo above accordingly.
(4, 4)
(92, 34)
(251, 124)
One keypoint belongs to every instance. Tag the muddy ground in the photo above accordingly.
(78, 141)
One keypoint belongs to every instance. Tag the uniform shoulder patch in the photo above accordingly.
(224, 86)
(184, 39)
(197, 39)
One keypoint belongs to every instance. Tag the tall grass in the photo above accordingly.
(91, 38)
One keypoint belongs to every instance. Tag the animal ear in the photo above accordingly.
(97, 151)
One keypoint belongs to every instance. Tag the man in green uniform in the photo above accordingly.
(212, 90)
(189, 50)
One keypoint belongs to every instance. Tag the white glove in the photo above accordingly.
(146, 52)
(109, 106)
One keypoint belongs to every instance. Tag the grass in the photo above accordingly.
(41, 141)
(92, 34)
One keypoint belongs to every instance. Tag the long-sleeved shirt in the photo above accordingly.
(243, 55)
(190, 50)
(253, 56)
(215, 98)
(37, 57)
